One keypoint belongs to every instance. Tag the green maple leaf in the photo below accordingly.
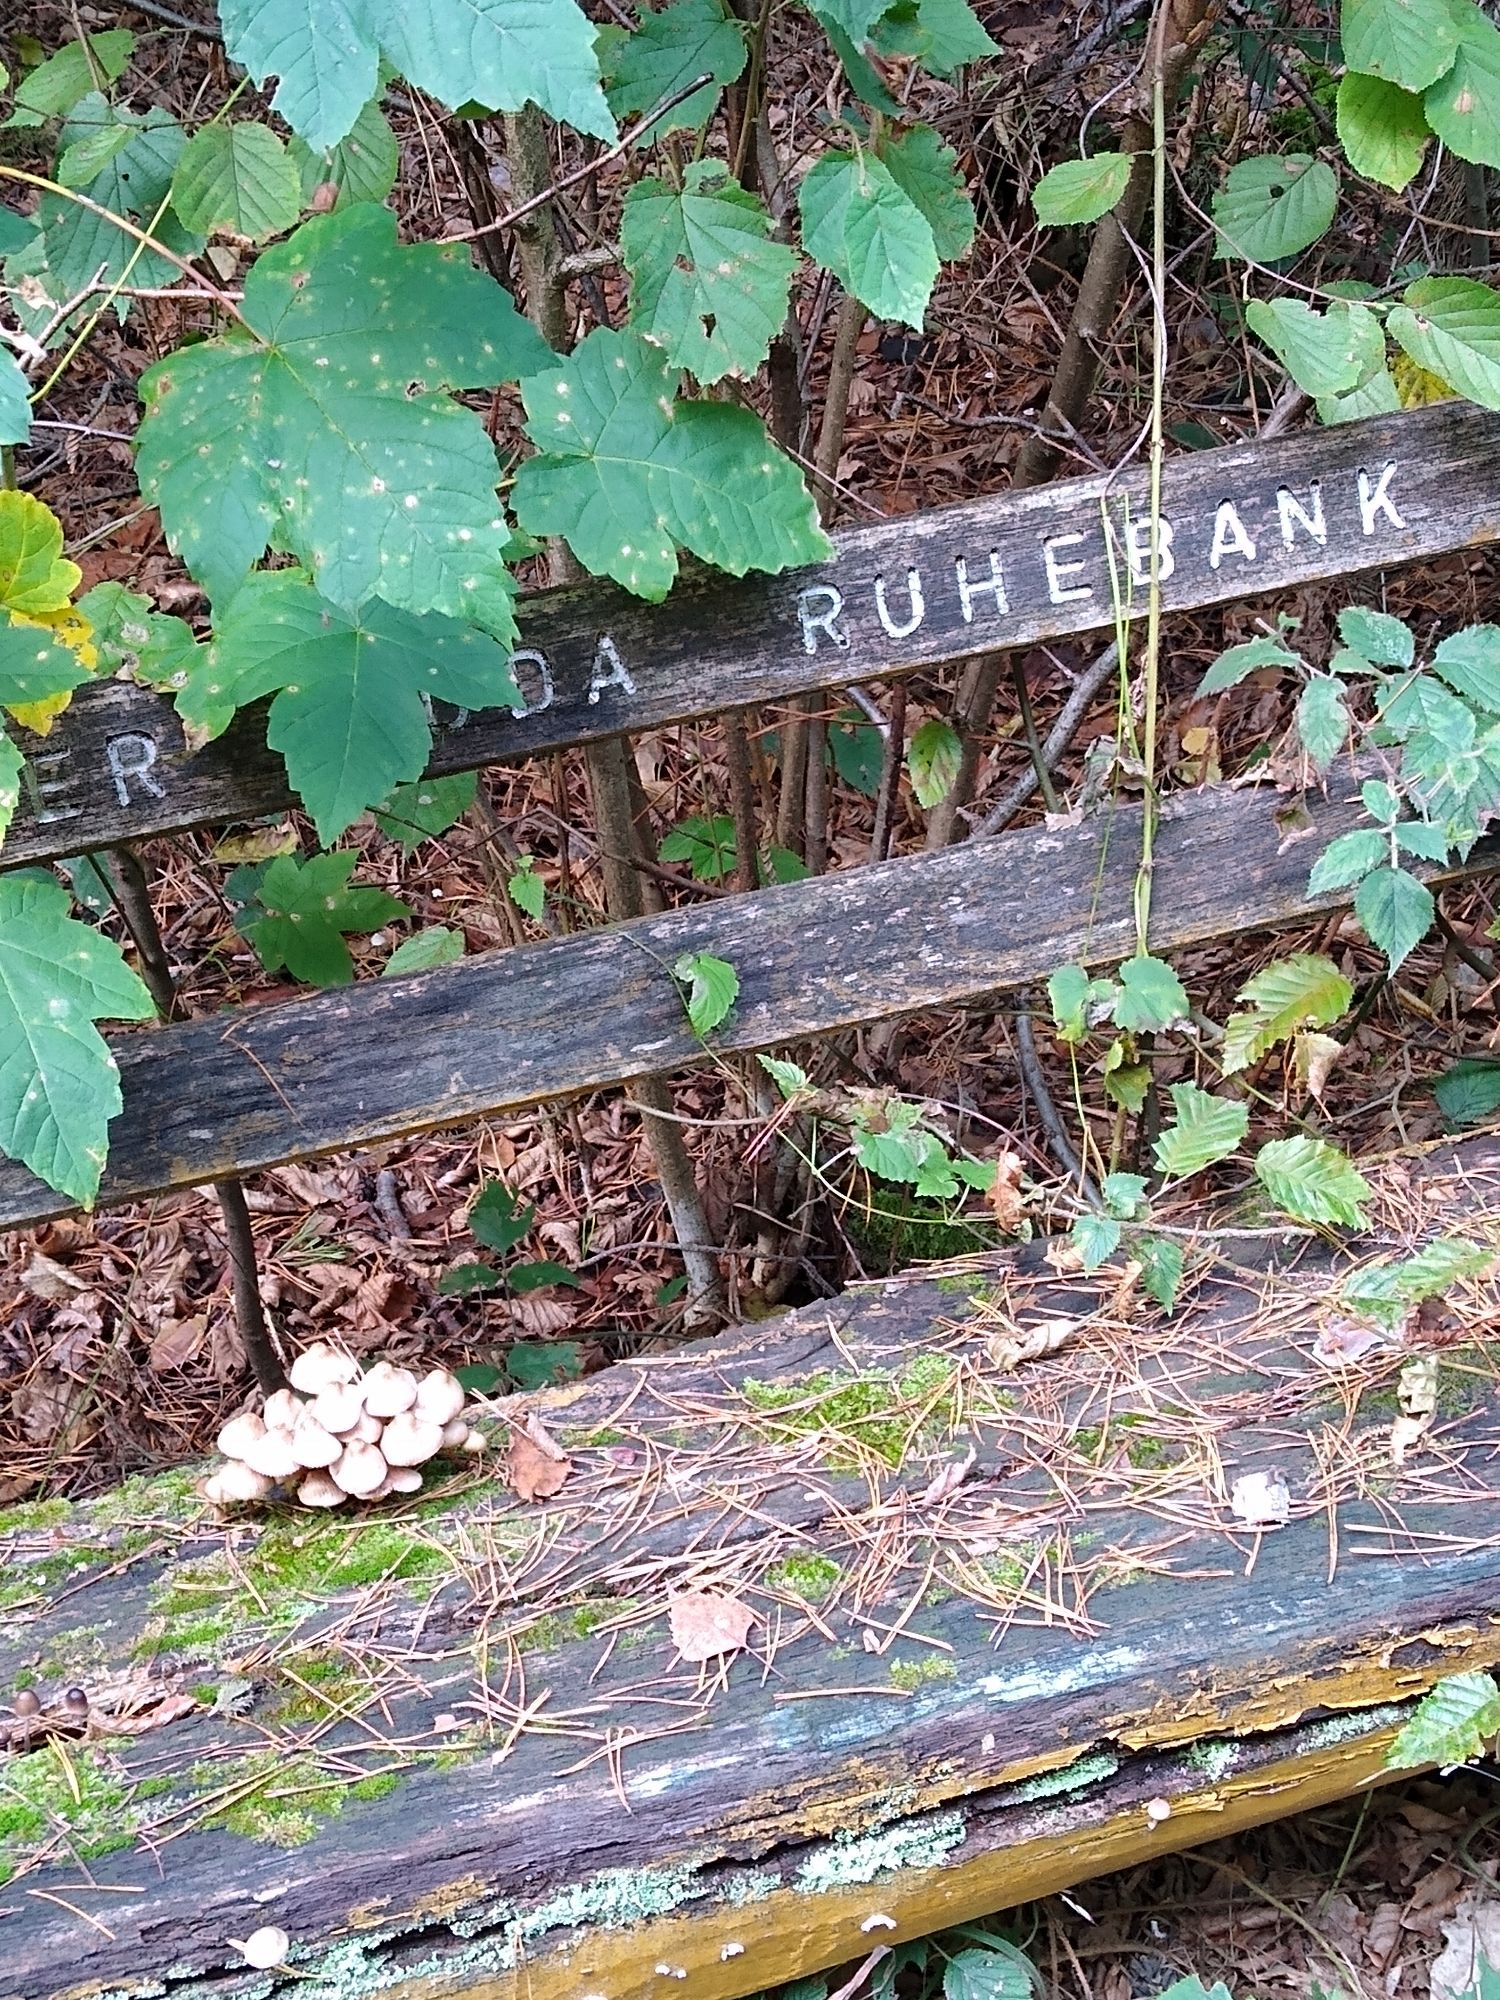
(59, 1086)
(297, 914)
(322, 427)
(927, 172)
(237, 180)
(625, 473)
(854, 19)
(861, 224)
(348, 714)
(706, 281)
(671, 48)
(942, 35)
(499, 53)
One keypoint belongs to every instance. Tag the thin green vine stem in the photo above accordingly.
(1151, 668)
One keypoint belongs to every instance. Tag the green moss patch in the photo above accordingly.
(884, 1412)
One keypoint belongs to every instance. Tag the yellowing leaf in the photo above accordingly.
(34, 575)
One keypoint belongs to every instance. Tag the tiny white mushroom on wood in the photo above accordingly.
(235, 1483)
(313, 1446)
(388, 1390)
(321, 1367)
(282, 1410)
(359, 1469)
(338, 1408)
(407, 1440)
(274, 1454)
(440, 1397)
(239, 1434)
(264, 1948)
(320, 1489)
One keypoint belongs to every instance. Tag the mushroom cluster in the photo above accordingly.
(339, 1434)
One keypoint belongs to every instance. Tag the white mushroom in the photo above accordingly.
(239, 1434)
(274, 1456)
(319, 1489)
(313, 1446)
(407, 1440)
(321, 1367)
(366, 1431)
(339, 1408)
(282, 1410)
(389, 1390)
(476, 1441)
(264, 1948)
(358, 1469)
(234, 1483)
(455, 1435)
(400, 1479)
(440, 1396)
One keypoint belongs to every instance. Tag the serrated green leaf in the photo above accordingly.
(1161, 1262)
(499, 1219)
(1205, 1129)
(1080, 191)
(523, 1278)
(526, 888)
(789, 1078)
(348, 714)
(537, 1364)
(1382, 129)
(1427, 843)
(15, 401)
(310, 432)
(1312, 1181)
(90, 153)
(1347, 860)
(1151, 996)
(1325, 353)
(927, 172)
(1274, 207)
(16, 231)
(422, 810)
(1450, 1725)
(1469, 661)
(424, 951)
(942, 35)
(80, 247)
(1396, 911)
(362, 166)
(1074, 997)
(1322, 720)
(53, 88)
(1377, 637)
(1410, 42)
(1127, 1084)
(707, 283)
(858, 752)
(499, 53)
(1124, 1196)
(236, 180)
(712, 985)
(1096, 1238)
(302, 911)
(121, 622)
(859, 223)
(1376, 398)
(1380, 800)
(1463, 105)
(1451, 327)
(854, 19)
(1235, 663)
(460, 1283)
(624, 472)
(706, 845)
(862, 76)
(59, 1087)
(672, 46)
(1469, 1091)
(995, 1971)
(932, 758)
(1305, 990)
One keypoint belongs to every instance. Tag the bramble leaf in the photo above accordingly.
(1096, 1238)
(526, 888)
(861, 224)
(712, 985)
(1469, 661)
(297, 912)
(236, 180)
(707, 283)
(672, 46)
(324, 429)
(1396, 911)
(625, 473)
(1376, 636)
(1081, 190)
(1161, 1268)
(1273, 207)
(933, 757)
(1206, 1129)
(1302, 991)
(1322, 720)
(1312, 1181)
(348, 714)
(1236, 662)
(59, 1087)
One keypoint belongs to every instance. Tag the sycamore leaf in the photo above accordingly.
(1151, 995)
(1450, 1725)
(78, 246)
(1382, 129)
(1273, 207)
(1205, 1130)
(861, 224)
(499, 1219)
(349, 714)
(499, 53)
(712, 985)
(1463, 104)
(121, 623)
(237, 180)
(1081, 190)
(625, 473)
(933, 757)
(15, 401)
(1396, 911)
(1302, 991)
(46, 647)
(421, 811)
(1451, 327)
(300, 911)
(1312, 1181)
(59, 1086)
(362, 166)
(670, 48)
(707, 283)
(325, 431)
(927, 171)
(1410, 42)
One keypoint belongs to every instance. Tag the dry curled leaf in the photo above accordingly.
(535, 1466)
(177, 1342)
(1005, 1194)
(705, 1624)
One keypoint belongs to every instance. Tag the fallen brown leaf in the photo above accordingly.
(176, 1342)
(1005, 1194)
(535, 1466)
(705, 1624)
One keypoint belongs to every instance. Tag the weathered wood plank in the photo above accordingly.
(1000, 1673)
(918, 592)
(255, 1087)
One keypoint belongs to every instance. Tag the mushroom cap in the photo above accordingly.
(408, 1440)
(264, 1948)
(358, 1469)
(389, 1390)
(440, 1396)
(321, 1489)
(240, 1433)
(476, 1441)
(314, 1447)
(455, 1434)
(282, 1410)
(234, 1483)
(273, 1455)
(367, 1431)
(339, 1407)
(320, 1367)
(404, 1479)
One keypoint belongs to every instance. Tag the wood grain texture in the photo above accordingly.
(1246, 519)
(254, 1087)
(645, 1817)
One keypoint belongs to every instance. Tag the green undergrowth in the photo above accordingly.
(556, 1629)
(909, 1675)
(282, 1801)
(899, 1228)
(30, 1515)
(884, 1412)
(810, 1577)
(72, 1793)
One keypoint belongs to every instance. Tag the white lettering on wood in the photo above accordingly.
(1376, 499)
(918, 605)
(41, 789)
(1294, 515)
(608, 670)
(818, 609)
(1138, 550)
(546, 688)
(1230, 536)
(967, 592)
(132, 755)
(1059, 591)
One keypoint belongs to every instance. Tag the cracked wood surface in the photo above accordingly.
(1006, 1666)
(923, 591)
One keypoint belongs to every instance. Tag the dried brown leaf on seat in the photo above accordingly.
(705, 1624)
(536, 1467)
(177, 1342)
